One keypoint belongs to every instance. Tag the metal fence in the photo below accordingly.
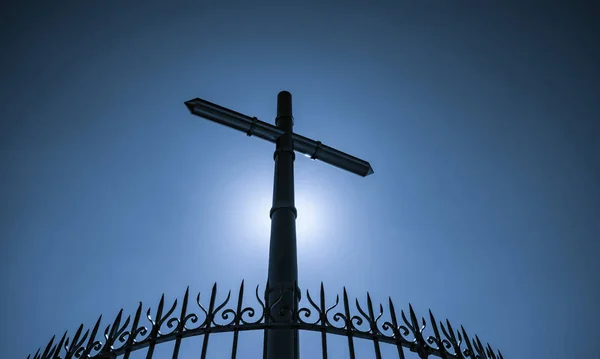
(406, 332)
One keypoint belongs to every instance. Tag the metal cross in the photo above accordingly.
(283, 292)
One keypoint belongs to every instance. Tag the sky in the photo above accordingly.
(480, 120)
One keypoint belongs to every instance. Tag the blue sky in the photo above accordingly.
(479, 119)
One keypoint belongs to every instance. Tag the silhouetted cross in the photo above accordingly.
(283, 261)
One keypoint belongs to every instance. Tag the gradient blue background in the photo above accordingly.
(480, 119)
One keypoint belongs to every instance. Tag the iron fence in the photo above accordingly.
(406, 332)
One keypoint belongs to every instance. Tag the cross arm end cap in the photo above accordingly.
(190, 105)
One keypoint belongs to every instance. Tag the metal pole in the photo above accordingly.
(283, 261)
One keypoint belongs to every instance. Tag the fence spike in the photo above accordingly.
(185, 302)
(115, 327)
(413, 317)
(323, 309)
(393, 313)
(238, 312)
(92, 338)
(136, 321)
(450, 329)
(436, 332)
(479, 347)
(77, 334)
(468, 343)
(61, 344)
(161, 305)
(48, 347)
(322, 290)
(349, 324)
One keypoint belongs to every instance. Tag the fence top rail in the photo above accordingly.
(127, 334)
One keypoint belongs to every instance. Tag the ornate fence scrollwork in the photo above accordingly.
(122, 337)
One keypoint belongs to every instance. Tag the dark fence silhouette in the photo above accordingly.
(382, 327)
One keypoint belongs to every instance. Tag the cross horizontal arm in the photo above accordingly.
(254, 127)
(233, 119)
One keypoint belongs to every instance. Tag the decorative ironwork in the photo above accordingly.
(124, 336)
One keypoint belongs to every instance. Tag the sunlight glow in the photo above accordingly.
(309, 223)
(312, 207)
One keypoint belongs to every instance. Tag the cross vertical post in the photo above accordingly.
(283, 258)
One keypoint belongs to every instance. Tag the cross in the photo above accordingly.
(283, 262)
